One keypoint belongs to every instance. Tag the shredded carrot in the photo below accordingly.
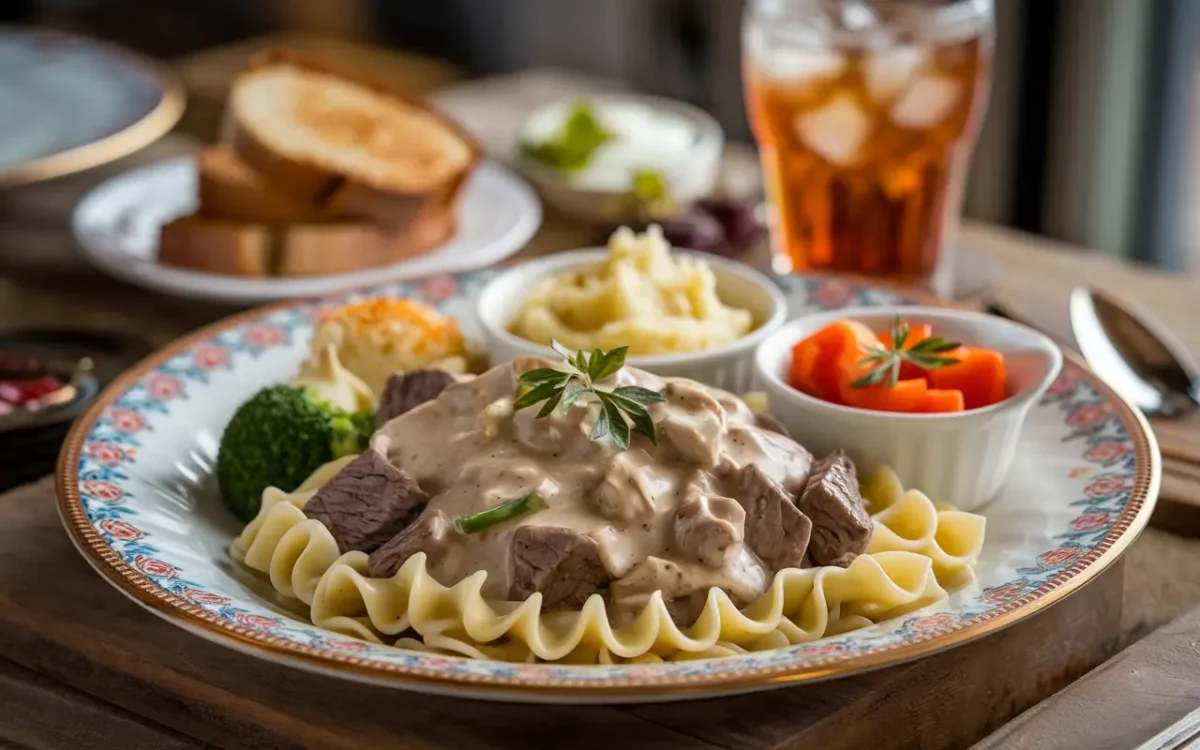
(380, 314)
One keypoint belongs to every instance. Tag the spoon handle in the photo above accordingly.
(992, 307)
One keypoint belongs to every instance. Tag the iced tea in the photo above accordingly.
(865, 114)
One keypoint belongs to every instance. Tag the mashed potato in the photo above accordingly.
(640, 296)
(378, 337)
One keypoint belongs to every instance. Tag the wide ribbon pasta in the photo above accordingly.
(917, 552)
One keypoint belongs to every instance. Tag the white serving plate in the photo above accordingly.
(138, 498)
(116, 226)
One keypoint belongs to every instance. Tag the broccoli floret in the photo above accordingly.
(277, 439)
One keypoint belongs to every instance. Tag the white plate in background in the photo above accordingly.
(116, 226)
(68, 103)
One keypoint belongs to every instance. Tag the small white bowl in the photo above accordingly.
(689, 178)
(730, 366)
(960, 458)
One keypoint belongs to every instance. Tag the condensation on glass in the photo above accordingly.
(866, 113)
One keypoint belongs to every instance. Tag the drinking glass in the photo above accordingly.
(866, 113)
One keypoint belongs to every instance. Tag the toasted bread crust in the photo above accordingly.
(311, 180)
(236, 248)
(222, 247)
(229, 189)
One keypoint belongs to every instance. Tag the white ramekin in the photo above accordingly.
(689, 178)
(960, 458)
(730, 366)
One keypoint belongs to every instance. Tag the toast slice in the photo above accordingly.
(253, 249)
(228, 189)
(332, 141)
(216, 246)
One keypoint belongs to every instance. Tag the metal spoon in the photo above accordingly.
(1134, 354)
(1138, 358)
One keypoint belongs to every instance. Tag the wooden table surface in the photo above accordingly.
(43, 282)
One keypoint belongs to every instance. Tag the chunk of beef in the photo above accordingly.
(427, 534)
(769, 423)
(683, 592)
(776, 530)
(691, 424)
(684, 610)
(367, 503)
(707, 528)
(562, 564)
(408, 390)
(629, 488)
(790, 462)
(841, 526)
(630, 593)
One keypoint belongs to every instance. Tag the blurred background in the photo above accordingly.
(1091, 135)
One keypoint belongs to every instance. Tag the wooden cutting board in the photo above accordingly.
(59, 620)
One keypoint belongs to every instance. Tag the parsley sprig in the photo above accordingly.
(621, 409)
(928, 354)
(572, 147)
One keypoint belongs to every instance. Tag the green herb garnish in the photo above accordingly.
(621, 409)
(572, 147)
(649, 194)
(506, 511)
(885, 363)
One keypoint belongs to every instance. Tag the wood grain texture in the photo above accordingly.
(1178, 508)
(945, 701)
(1146, 696)
(40, 714)
(59, 620)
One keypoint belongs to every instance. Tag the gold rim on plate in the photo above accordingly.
(124, 142)
(194, 618)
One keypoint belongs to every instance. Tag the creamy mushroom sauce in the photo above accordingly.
(471, 452)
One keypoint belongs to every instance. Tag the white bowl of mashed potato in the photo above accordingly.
(681, 313)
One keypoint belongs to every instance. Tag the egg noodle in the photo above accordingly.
(918, 552)
(641, 296)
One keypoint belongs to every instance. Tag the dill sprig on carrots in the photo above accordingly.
(885, 361)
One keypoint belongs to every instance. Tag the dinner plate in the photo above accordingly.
(68, 103)
(116, 227)
(138, 497)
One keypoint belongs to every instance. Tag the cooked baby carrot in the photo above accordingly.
(940, 402)
(814, 360)
(846, 363)
(804, 362)
(917, 332)
(979, 374)
(905, 396)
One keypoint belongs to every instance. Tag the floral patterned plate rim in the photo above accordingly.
(136, 496)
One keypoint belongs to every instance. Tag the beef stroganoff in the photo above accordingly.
(481, 522)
